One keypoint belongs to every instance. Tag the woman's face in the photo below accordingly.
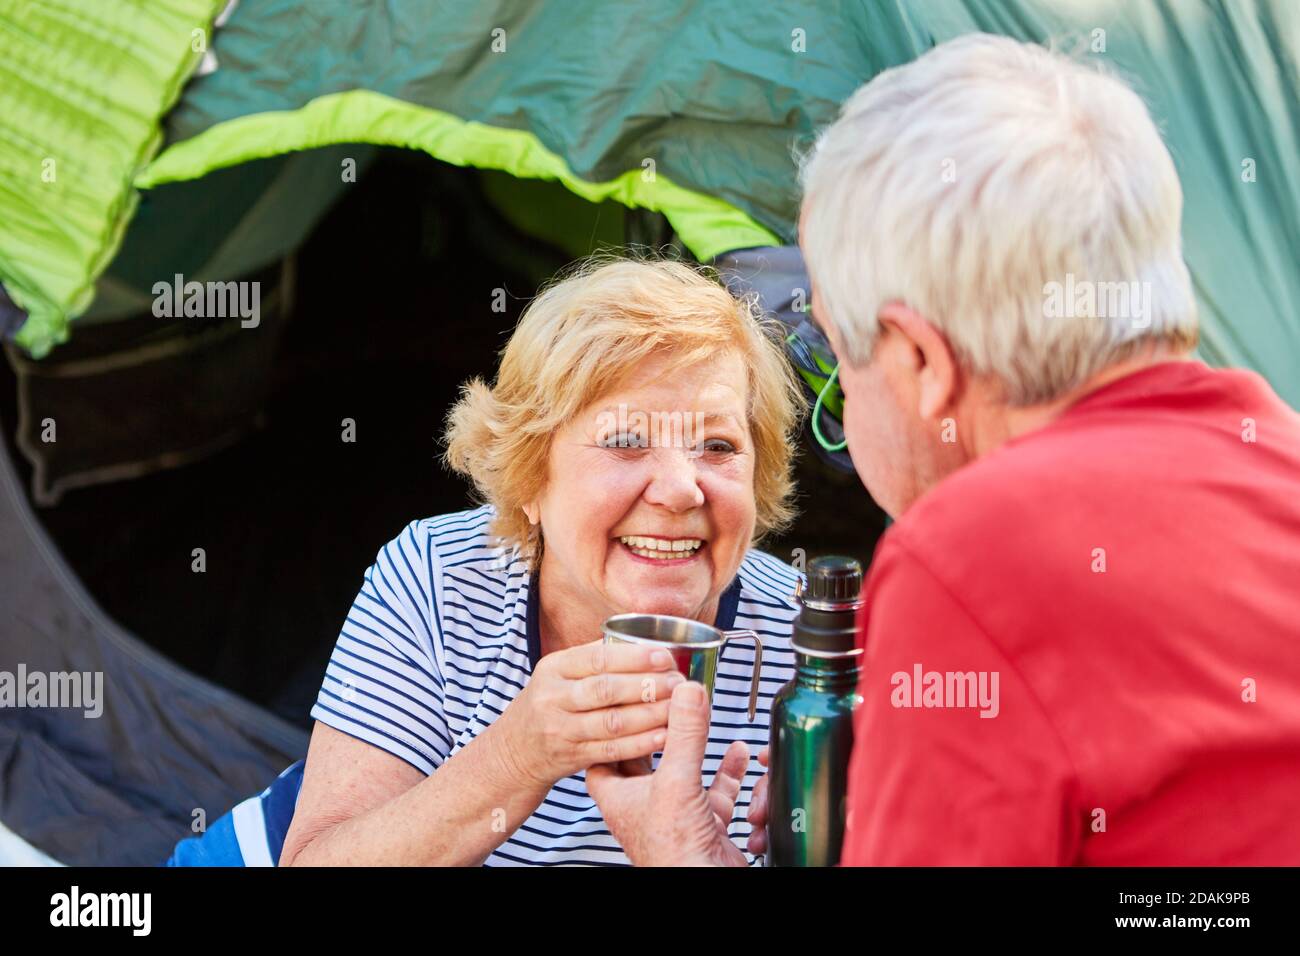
(649, 502)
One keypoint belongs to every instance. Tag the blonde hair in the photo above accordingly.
(578, 340)
(973, 185)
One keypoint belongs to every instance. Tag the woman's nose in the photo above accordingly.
(674, 481)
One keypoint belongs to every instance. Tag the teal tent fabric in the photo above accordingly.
(712, 100)
(716, 94)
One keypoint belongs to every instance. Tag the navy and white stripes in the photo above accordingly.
(436, 646)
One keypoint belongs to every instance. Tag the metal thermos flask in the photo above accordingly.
(812, 720)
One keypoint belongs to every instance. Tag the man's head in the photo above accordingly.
(988, 229)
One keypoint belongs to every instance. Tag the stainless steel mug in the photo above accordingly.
(694, 646)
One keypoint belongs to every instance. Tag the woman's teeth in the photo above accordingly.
(661, 549)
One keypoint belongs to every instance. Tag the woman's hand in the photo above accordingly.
(594, 703)
(667, 818)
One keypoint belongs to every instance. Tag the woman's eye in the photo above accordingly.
(624, 440)
(718, 446)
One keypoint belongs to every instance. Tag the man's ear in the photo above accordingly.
(939, 375)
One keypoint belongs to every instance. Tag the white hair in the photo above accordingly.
(977, 184)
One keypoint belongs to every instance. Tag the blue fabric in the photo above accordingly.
(278, 804)
(266, 818)
(217, 847)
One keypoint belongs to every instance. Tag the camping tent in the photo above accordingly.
(544, 129)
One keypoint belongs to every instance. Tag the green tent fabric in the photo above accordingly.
(83, 86)
(708, 225)
(694, 109)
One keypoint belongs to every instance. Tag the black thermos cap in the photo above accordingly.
(831, 598)
(833, 579)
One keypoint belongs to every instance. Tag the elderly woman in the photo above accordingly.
(636, 442)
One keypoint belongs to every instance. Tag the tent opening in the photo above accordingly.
(388, 309)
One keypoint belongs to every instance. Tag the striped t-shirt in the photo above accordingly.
(444, 635)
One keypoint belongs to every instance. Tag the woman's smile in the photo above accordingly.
(663, 551)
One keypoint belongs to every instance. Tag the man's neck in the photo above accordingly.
(996, 422)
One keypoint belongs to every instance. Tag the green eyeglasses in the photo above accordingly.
(817, 413)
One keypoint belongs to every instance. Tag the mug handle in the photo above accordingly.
(758, 665)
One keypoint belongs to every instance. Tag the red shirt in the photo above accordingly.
(1131, 574)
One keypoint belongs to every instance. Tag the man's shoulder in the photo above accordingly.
(1108, 460)
(1017, 513)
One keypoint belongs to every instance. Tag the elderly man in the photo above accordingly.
(1108, 526)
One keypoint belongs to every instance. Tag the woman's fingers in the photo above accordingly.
(608, 690)
(727, 781)
(614, 722)
(623, 748)
(575, 663)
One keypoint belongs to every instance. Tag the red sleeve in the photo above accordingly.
(944, 785)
